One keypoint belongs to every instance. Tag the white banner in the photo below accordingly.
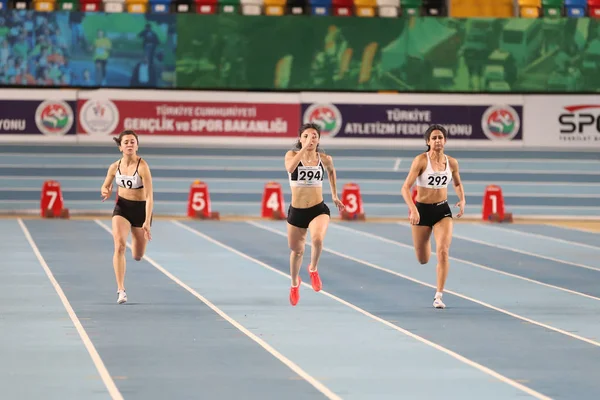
(562, 122)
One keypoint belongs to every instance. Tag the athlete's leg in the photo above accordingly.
(421, 242)
(442, 232)
(138, 243)
(318, 227)
(120, 228)
(296, 242)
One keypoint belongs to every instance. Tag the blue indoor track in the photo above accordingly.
(208, 315)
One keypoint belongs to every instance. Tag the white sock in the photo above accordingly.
(438, 295)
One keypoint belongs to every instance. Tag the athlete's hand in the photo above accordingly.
(413, 216)
(146, 228)
(338, 203)
(106, 192)
(310, 140)
(461, 206)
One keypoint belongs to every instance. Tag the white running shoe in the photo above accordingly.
(122, 297)
(438, 303)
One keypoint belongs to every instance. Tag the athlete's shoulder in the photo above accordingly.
(290, 153)
(143, 166)
(452, 161)
(326, 158)
(419, 164)
(420, 159)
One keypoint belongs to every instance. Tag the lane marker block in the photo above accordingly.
(51, 201)
(199, 202)
(352, 199)
(272, 202)
(493, 205)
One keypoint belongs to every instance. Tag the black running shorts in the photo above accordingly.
(301, 217)
(431, 214)
(133, 211)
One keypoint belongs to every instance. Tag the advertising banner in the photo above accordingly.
(563, 121)
(410, 116)
(108, 112)
(47, 113)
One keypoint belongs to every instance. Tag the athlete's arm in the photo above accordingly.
(331, 175)
(458, 186)
(144, 172)
(292, 159)
(415, 169)
(106, 188)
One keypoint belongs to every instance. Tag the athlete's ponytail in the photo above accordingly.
(125, 133)
(434, 127)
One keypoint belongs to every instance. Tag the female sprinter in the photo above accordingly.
(433, 171)
(133, 210)
(306, 167)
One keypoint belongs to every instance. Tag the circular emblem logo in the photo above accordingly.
(99, 117)
(327, 116)
(500, 123)
(54, 117)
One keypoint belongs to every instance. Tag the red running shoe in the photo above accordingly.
(295, 293)
(315, 279)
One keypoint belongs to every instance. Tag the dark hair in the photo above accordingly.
(308, 125)
(434, 127)
(125, 133)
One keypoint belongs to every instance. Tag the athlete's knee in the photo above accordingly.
(120, 247)
(423, 253)
(317, 241)
(297, 248)
(297, 252)
(138, 252)
(443, 252)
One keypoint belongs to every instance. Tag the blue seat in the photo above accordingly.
(3, 5)
(159, 6)
(575, 8)
(320, 7)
